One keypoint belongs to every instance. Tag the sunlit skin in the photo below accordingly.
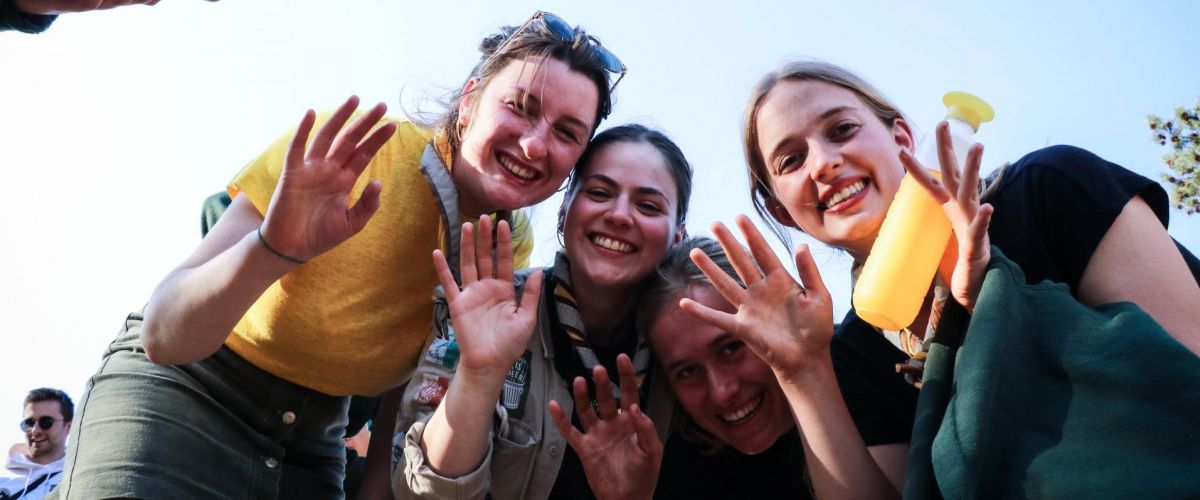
(621, 221)
(721, 384)
(46, 445)
(524, 131)
(819, 139)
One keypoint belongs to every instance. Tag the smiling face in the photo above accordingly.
(622, 219)
(524, 131)
(719, 382)
(46, 445)
(834, 165)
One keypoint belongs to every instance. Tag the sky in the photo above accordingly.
(115, 125)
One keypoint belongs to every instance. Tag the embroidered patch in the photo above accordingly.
(432, 390)
(516, 385)
(443, 352)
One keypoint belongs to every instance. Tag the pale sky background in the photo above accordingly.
(114, 126)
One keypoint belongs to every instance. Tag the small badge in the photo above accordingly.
(443, 352)
(516, 384)
(432, 390)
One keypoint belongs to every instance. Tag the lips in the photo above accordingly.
(744, 412)
(516, 168)
(842, 193)
(610, 243)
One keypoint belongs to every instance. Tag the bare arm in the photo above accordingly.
(492, 326)
(376, 483)
(790, 327)
(44, 7)
(194, 308)
(1138, 262)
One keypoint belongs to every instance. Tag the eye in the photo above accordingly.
(597, 194)
(569, 134)
(732, 348)
(650, 207)
(685, 373)
(844, 130)
(787, 163)
(517, 106)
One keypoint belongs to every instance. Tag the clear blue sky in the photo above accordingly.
(115, 125)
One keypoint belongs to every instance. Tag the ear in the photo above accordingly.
(67, 427)
(781, 214)
(904, 136)
(467, 103)
(680, 234)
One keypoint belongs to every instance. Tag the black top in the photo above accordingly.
(1052, 208)
(687, 472)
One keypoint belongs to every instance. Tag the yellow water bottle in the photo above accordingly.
(897, 275)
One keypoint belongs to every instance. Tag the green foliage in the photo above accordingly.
(1182, 133)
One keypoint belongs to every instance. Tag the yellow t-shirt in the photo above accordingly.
(354, 319)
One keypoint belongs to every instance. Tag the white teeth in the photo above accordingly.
(517, 170)
(611, 244)
(845, 193)
(742, 413)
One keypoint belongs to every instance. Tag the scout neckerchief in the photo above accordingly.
(566, 323)
(915, 346)
(446, 193)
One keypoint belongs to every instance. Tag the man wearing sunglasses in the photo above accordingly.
(35, 467)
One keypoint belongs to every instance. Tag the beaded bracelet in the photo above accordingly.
(276, 252)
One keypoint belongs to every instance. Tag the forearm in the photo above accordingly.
(456, 438)
(193, 310)
(838, 460)
(376, 479)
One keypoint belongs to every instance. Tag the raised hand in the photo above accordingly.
(310, 212)
(958, 192)
(620, 451)
(491, 323)
(784, 323)
(67, 6)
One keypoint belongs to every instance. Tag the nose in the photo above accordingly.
(722, 387)
(533, 141)
(825, 160)
(620, 213)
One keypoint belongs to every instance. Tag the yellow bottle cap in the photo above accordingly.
(968, 108)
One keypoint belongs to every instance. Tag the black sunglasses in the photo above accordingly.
(560, 28)
(44, 421)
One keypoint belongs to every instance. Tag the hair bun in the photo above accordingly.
(492, 43)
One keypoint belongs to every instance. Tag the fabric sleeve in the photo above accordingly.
(1054, 205)
(258, 178)
(13, 19)
(414, 478)
(880, 402)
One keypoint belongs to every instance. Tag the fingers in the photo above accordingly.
(925, 179)
(368, 203)
(742, 263)
(366, 149)
(977, 231)
(629, 384)
(647, 435)
(946, 157)
(723, 283)
(295, 154)
(763, 254)
(483, 248)
(327, 133)
(604, 393)
(445, 276)
(583, 406)
(533, 290)
(720, 319)
(564, 425)
(809, 274)
(968, 192)
(466, 255)
(347, 141)
(504, 252)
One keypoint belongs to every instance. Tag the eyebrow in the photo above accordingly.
(644, 190)
(821, 117)
(716, 342)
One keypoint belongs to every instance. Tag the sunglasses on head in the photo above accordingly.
(44, 421)
(560, 28)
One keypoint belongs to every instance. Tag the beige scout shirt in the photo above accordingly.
(526, 448)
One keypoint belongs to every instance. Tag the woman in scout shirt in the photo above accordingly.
(308, 290)
(474, 420)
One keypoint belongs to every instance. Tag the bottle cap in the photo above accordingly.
(968, 108)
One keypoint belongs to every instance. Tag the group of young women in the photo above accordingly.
(315, 285)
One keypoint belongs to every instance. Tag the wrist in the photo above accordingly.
(815, 371)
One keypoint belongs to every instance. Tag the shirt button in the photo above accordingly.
(289, 418)
(553, 451)
(271, 463)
